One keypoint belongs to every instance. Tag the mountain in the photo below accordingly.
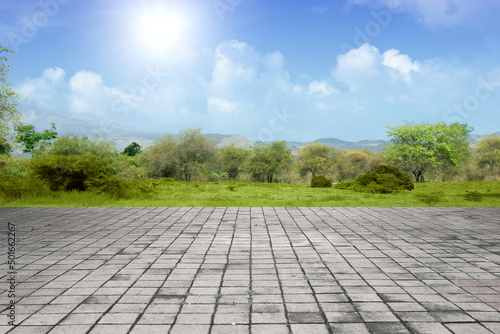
(372, 145)
(81, 124)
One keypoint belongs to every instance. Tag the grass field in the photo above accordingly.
(234, 194)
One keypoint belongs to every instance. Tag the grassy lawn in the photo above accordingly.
(234, 194)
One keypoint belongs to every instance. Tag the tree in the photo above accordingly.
(5, 147)
(193, 150)
(488, 151)
(315, 158)
(419, 148)
(351, 163)
(233, 159)
(161, 157)
(34, 142)
(268, 160)
(132, 150)
(9, 116)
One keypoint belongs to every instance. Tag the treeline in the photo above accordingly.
(440, 152)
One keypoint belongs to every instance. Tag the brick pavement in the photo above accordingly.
(253, 270)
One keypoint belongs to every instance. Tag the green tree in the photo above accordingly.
(315, 158)
(5, 147)
(420, 147)
(266, 161)
(161, 158)
(233, 159)
(488, 151)
(9, 116)
(193, 151)
(35, 142)
(132, 150)
(351, 163)
(74, 145)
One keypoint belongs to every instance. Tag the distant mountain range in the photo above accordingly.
(81, 124)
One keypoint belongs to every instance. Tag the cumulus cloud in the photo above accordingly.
(402, 63)
(221, 107)
(322, 88)
(358, 66)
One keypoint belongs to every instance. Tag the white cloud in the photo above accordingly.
(322, 88)
(234, 64)
(359, 66)
(54, 75)
(402, 63)
(221, 107)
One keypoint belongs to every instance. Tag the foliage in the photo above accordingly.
(10, 166)
(71, 145)
(69, 172)
(233, 159)
(431, 198)
(17, 187)
(127, 167)
(5, 146)
(488, 151)
(314, 158)
(320, 182)
(418, 148)
(266, 161)
(192, 151)
(384, 180)
(160, 158)
(473, 196)
(182, 155)
(132, 150)
(351, 163)
(34, 142)
(9, 116)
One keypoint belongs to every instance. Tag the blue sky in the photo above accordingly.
(267, 70)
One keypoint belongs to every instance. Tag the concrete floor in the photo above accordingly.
(252, 270)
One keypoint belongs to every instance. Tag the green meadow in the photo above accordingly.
(167, 193)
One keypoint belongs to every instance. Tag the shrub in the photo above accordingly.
(384, 180)
(345, 185)
(431, 198)
(109, 185)
(404, 180)
(473, 196)
(15, 187)
(320, 182)
(69, 172)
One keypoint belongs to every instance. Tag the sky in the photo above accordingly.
(265, 69)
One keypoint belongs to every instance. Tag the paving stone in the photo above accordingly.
(257, 270)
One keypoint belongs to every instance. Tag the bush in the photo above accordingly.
(473, 196)
(320, 182)
(15, 187)
(109, 185)
(345, 185)
(431, 198)
(69, 172)
(384, 180)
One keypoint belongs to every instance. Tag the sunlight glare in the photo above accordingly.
(159, 29)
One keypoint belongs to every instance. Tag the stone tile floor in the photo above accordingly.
(252, 270)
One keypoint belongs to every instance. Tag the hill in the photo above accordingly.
(81, 124)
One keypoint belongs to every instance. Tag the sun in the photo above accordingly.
(158, 28)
